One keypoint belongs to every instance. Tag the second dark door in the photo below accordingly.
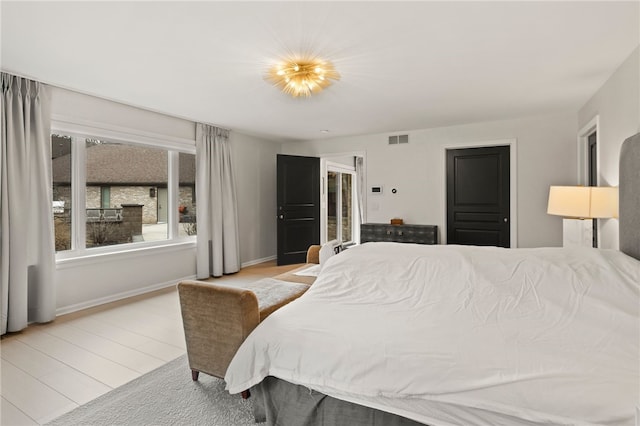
(298, 212)
(478, 196)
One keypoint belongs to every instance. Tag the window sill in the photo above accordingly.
(102, 254)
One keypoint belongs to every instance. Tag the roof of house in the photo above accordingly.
(120, 164)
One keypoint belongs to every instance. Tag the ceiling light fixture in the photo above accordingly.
(302, 77)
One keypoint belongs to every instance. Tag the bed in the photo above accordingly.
(401, 334)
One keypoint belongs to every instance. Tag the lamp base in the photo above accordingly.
(577, 232)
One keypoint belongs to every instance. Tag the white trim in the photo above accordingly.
(592, 125)
(115, 297)
(173, 195)
(338, 174)
(114, 249)
(323, 199)
(325, 161)
(340, 168)
(355, 213)
(513, 183)
(583, 136)
(78, 194)
(328, 166)
(365, 195)
(343, 154)
(128, 251)
(80, 127)
(257, 261)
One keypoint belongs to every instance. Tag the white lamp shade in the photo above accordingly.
(569, 201)
(586, 202)
(604, 202)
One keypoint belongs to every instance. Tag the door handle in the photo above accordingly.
(505, 220)
(281, 217)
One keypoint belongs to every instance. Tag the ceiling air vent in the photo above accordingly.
(396, 139)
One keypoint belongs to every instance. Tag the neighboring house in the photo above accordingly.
(123, 174)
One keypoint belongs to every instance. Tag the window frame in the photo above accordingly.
(79, 130)
(340, 169)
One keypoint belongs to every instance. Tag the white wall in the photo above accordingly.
(617, 104)
(79, 106)
(545, 156)
(90, 281)
(86, 282)
(255, 169)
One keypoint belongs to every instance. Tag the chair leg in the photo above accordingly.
(194, 375)
(245, 394)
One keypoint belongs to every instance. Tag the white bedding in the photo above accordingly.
(450, 335)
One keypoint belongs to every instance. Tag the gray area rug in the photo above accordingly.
(165, 396)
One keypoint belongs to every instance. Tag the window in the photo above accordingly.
(340, 203)
(346, 210)
(332, 206)
(61, 173)
(187, 195)
(105, 197)
(109, 193)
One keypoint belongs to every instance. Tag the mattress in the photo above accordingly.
(448, 335)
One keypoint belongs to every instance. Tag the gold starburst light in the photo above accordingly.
(302, 77)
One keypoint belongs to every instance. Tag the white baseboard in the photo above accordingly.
(114, 297)
(256, 261)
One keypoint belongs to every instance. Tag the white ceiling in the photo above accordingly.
(404, 65)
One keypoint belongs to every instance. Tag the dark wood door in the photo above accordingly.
(478, 196)
(298, 207)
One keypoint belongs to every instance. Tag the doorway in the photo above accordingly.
(341, 204)
(592, 175)
(588, 137)
(478, 188)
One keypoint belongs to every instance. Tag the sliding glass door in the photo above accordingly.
(340, 204)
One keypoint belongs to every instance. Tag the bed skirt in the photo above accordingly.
(278, 402)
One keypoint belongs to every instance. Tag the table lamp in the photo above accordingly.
(578, 205)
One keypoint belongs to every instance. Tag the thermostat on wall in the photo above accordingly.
(376, 190)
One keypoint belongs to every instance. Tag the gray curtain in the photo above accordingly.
(27, 252)
(360, 186)
(218, 249)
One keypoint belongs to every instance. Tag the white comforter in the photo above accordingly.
(451, 335)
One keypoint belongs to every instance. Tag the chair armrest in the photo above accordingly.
(216, 319)
(313, 254)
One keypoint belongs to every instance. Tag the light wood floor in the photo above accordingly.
(50, 369)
